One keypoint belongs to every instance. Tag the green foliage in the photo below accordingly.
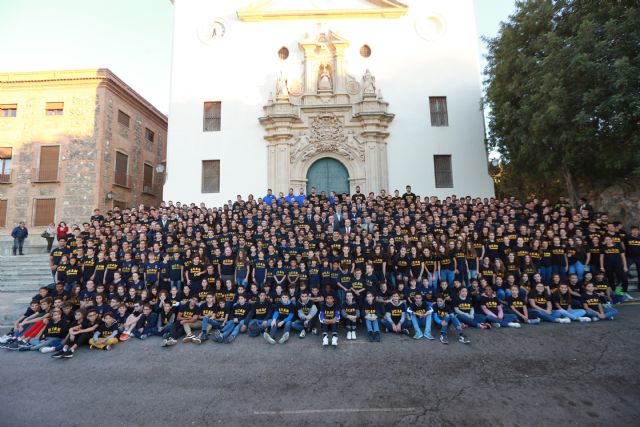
(563, 87)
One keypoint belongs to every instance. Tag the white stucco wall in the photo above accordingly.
(241, 68)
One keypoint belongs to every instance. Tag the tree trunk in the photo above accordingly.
(572, 192)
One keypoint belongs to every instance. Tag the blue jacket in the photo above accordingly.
(20, 233)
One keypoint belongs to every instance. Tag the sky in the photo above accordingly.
(130, 37)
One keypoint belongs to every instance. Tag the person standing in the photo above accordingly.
(19, 233)
(49, 234)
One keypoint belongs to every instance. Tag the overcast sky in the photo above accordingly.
(130, 37)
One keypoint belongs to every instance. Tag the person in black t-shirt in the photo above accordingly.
(443, 317)
(372, 313)
(107, 333)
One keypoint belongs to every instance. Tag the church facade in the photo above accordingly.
(331, 94)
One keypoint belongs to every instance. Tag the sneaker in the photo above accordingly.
(370, 336)
(534, 321)
(203, 337)
(217, 336)
(417, 336)
(513, 325)
(68, 354)
(325, 341)
(230, 339)
(584, 319)
(564, 320)
(443, 339)
(284, 338)
(14, 346)
(47, 350)
(58, 354)
(107, 347)
(143, 336)
(314, 331)
(5, 338)
(165, 343)
(268, 338)
(595, 319)
(353, 335)
(124, 336)
(463, 339)
(628, 297)
(496, 324)
(188, 338)
(334, 340)
(166, 335)
(196, 340)
(303, 333)
(406, 332)
(91, 347)
(172, 341)
(376, 336)
(22, 344)
(429, 337)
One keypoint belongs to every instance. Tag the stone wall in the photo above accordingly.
(620, 201)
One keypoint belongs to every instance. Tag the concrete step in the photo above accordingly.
(13, 305)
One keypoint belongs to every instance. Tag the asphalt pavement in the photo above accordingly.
(577, 374)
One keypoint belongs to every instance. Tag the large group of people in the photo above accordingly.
(319, 264)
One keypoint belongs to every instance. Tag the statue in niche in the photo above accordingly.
(282, 92)
(324, 81)
(368, 84)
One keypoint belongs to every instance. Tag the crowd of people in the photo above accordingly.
(316, 264)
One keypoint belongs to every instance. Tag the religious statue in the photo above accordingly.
(368, 84)
(282, 92)
(324, 81)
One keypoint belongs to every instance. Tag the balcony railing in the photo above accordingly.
(152, 190)
(45, 175)
(122, 180)
(7, 178)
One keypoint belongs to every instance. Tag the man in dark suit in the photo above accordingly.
(347, 229)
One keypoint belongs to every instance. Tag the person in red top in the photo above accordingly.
(62, 230)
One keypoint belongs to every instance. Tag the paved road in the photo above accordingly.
(578, 374)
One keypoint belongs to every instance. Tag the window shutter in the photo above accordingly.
(443, 171)
(123, 118)
(147, 179)
(49, 158)
(211, 176)
(212, 115)
(44, 214)
(3, 213)
(122, 161)
(438, 109)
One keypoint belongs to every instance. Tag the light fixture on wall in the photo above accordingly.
(160, 168)
(110, 195)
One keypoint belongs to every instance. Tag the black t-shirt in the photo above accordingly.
(56, 329)
(465, 305)
(106, 330)
(261, 310)
(227, 265)
(395, 311)
(491, 303)
(186, 311)
(564, 300)
(517, 304)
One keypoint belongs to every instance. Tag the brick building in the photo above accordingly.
(71, 141)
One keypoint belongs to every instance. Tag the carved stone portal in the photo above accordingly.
(326, 113)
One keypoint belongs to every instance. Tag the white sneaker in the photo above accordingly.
(268, 338)
(334, 341)
(349, 335)
(564, 320)
(513, 325)
(628, 297)
(47, 349)
(303, 333)
(5, 339)
(325, 341)
(284, 338)
(584, 319)
(353, 335)
(595, 319)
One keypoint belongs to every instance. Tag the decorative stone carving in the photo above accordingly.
(296, 88)
(327, 135)
(368, 84)
(282, 92)
(324, 79)
(353, 87)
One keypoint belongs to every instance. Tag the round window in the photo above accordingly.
(365, 51)
(283, 53)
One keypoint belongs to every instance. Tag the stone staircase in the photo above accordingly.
(20, 279)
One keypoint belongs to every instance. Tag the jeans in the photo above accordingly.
(286, 328)
(545, 274)
(48, 342)
(577, 268)
(146, 331)
(504, 293)
(506, 319)
(473, 322)
(573, 314)
(433, 282)
(387, 324)
(207, 323)
(372, 325)
(333, 328)
(449, 319)
(608, 313)
(447, 276)
(228, 329)
(299, 325)
(421, 324)
(17, 244)
(542, 315)
(259, 323)
(236, 328)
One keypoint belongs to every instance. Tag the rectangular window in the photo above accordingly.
(443, 171)
(438, 108)
(8, 110)
(44, 212)
(211, 176)
(3, 213)
(149, 135)
(54, 108)
(212, 112)
(49, 159)
(123, 119)
(6, 154)
(122, 169)
(147, 179)
(120, 205)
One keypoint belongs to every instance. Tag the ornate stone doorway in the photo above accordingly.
(328, 175)
(326, 113)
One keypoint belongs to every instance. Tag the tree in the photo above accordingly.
(563, 88)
